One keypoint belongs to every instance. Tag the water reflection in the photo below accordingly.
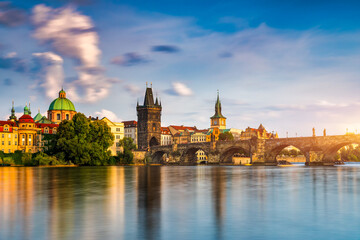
(180, 203)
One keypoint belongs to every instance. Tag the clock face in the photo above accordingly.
(215, 122)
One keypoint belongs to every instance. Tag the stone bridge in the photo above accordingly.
(317, 150)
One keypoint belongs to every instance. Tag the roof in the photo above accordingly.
(44, 120)
(50, 125)
(183, 128)
(131, 123)
(165, 130)
(218, 113)
(62, 104)
(26, 119)
(38, 117)
(149, 99)
(11, 123)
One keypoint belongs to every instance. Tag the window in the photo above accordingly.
(9, 142)
(118, 129)
(54, 130)
(67, 116)
(46, 130)
(23, 139)
(118, 144)
(117, 136)
(9, 150)
(15, 143)
(58, 116)
(9, 135)
(3, 135)
(6, 128)
(2, 143)
(30, 140)
(15, 135)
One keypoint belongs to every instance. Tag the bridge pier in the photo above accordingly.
(317, 158)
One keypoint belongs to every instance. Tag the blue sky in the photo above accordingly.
(291, 65)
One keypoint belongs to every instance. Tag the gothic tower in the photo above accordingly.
(149, 121)
(218, 120)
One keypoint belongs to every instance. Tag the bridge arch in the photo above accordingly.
(227, 155)
(189, 156)
(273, 153)
(331, 151)
(159, 157)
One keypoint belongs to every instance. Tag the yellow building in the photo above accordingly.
(117, 129)
(8, 136)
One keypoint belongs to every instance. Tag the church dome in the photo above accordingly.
(62, 103)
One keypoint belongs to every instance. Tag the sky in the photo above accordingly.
(290, 65)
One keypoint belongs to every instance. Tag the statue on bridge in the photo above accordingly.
(313, 132)
(324, 132)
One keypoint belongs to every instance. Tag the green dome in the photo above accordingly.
(62, 104)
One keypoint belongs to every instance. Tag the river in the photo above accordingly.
(189, 202)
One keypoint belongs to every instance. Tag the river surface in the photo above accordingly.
(204, 202)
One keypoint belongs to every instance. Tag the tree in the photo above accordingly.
(226, 136)
(83, 142)
(126, 156)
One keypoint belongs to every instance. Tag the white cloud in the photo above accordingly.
(72, 34)
(108, 114)
(181, 89)
(51, 72)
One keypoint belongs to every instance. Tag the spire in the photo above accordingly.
(29, 110)
(156, 102)
(137, 102)
(12, 109)
(149, 98)
(12, 116)
(218, 113)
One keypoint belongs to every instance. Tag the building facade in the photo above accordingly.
(166, 137)
(130, 130)
(24, 134)
(259, 132)
(117, 129)
(149, 121)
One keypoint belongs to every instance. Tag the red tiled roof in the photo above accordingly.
(130, 123)
(165, 130)
(26, 119)
(50, 125)
(11, 123)
(183, 128)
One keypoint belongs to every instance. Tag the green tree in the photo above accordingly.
(126, 156)
(226, 136)
(83, 142)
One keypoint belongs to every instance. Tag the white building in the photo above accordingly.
(166, 137)
(131, 130)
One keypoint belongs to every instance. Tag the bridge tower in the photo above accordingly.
(149, 121)
(218, 120)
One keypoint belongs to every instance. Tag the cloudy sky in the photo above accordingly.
(290, 65)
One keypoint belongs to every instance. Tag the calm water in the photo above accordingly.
(180, 203)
